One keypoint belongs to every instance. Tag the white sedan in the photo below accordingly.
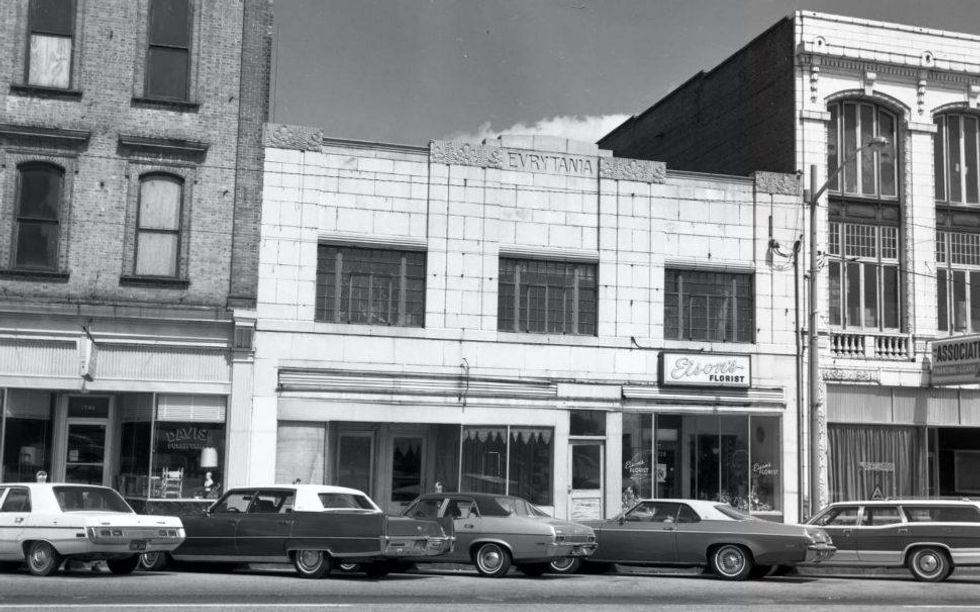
(44, 524)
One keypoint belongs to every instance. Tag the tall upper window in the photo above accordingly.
(370, 286)
(863, 264)
(711, 306)
(158, 225)
(38, 216)
(872, 173)
(52, 27)
(956, 158)
(865, 226)
(958, 271)
(551, 297)
(168, 49)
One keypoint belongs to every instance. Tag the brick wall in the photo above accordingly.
(736, 119)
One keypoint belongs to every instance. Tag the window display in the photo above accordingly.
(26, 430)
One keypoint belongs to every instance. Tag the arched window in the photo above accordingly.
(864, 214)
(956, 158)
(158, 225)
(38, 215)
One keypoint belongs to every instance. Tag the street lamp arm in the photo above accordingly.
(878, 142)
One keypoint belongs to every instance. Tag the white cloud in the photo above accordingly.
(575, 127)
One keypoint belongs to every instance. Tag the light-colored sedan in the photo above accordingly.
(495, 531)
(687, 532)
(45, 524)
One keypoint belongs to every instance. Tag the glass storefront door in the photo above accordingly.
(355, 460)
(86, 451)
(406, 470)
(586, 466)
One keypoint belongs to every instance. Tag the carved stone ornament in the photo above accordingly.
(455, 153)
(849, 375)
(298, 137)
(622, 168)
(777, 183)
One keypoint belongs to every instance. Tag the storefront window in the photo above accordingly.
(765, 475)
(189, 447)
(488, 451)
(26, 433)
(638, 466)
(871, 461)
(136, 419)
(587, 423)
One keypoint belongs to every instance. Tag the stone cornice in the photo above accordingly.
(903, 66)
(641, 170)
(44, 136)
(777, 183)
(191, 150)
(455, 153)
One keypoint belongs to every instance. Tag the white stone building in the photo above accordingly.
(529, 316)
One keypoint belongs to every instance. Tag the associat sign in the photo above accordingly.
(706, 370)
(956, 361)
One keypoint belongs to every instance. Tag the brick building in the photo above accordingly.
(130, 148)
(899, 230)
(529, 316)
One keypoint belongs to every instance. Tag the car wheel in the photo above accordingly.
(534, 569)
(126, 565)
(349, 568)
(154, 561)
(311, 563)
(565, 565)
(929, 564)
(731, 562)
(42, 559)
(492, 560)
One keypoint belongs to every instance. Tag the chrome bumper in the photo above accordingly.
(817, 553)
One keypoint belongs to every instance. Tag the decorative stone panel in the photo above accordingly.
(454, 153)
(851, 375)
(296, 137)
(622, 168)
(777, 183)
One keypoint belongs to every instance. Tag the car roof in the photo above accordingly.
(906, 502)
(304, 487)
(48, 485)
(706, 509)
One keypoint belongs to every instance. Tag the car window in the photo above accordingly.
(18, 500)
(734, 513)
(233, 502)
(654, 512)
(842, 516)
(269, 502)
(426, 508)
(945, 514)
(82, 499)
(687, 515)
(342, 501)
(461, 508)
(876, 516)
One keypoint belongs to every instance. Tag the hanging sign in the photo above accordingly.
(956, 361)
(706, 370)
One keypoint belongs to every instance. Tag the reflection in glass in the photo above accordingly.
(406, 469)
(484, 459)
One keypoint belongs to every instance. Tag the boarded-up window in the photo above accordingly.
(158, 234)
(52, 23)
(168, 51)
(38, 213)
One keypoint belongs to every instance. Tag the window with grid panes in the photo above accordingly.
(863, 266)
(52, 29)
(548, 297)
(958, 271)
(956, 157)
(863, 252)
(370, 286)
(709, 306)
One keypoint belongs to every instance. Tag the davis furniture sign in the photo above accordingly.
(956, 361)
(706, 370)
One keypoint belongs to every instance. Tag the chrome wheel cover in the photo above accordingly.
(309, 560)
(490, 558)
(929, 563)
(730, 560)
(562, 564)
(41, 557)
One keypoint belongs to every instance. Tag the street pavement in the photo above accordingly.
(278, 588)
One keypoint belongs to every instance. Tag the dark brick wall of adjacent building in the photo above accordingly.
(736, 119)
(228, 105)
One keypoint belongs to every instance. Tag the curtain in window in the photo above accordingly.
(530, 464)
(484, 460)
(869, 460)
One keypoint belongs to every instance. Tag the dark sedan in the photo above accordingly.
(312, 526)
(685, 533)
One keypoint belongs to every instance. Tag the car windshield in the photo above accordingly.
(82, 499)
(734, 513)
(345, 500)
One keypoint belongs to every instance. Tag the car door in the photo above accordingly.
(15, 507)
(263, 529)
(881, 536)
(645, 534)
(212, 534)
(841, 523)
(466, 522)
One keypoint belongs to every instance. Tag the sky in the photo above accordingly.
(410, 71)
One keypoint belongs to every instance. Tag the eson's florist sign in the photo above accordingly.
(706, 370)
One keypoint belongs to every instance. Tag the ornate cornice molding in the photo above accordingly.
(44, 136)
(455, 153)
(851, 375)
(191, 150)
(626, 169)
(296, 137)
(777, 183)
